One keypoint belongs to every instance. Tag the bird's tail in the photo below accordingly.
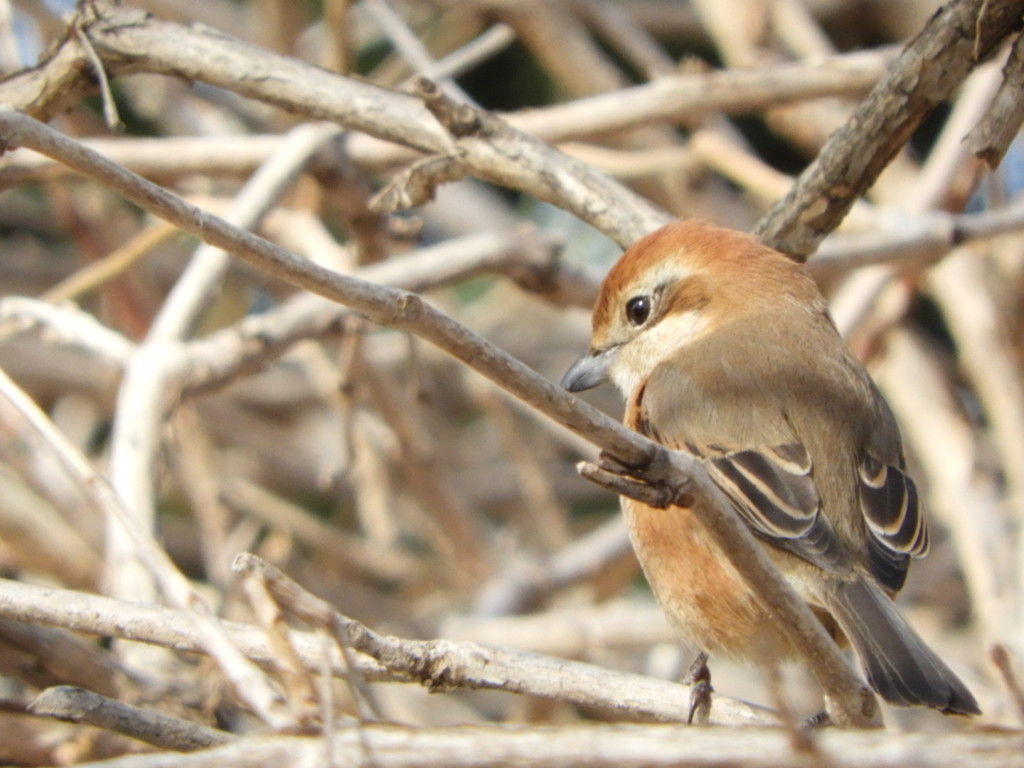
(897, 663)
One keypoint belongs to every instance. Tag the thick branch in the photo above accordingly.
(128, 41)
(472, 664)
(601, 745)
(933, 65)
(678, 97)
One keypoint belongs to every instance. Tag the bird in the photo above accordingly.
(723, 348)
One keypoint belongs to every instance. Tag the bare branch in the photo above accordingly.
(991, 138)
(601, 745)
(478, 666)
(927, 72)
(81, 706)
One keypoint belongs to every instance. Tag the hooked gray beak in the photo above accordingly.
(589, 371)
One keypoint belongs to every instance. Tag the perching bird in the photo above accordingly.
(724, 349)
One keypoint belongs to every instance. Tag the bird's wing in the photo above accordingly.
(754, 455)
(772, 489)
(894, 517)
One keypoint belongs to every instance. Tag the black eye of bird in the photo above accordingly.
(638, 309)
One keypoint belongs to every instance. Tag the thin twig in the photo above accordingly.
(110, 114)
(77, 705)
(990, 139)
(1004, 663)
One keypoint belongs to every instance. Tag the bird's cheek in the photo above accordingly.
(635, 362)
(625, 375)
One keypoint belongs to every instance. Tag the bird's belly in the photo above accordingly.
(703, 597)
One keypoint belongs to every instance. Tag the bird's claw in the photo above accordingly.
(820, 720)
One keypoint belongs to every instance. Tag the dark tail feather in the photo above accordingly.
(898, 664)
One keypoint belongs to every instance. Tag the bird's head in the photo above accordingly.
(674, 286)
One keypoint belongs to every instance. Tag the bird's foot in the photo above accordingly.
(699, 680)
(820, 720)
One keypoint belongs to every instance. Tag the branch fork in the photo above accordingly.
(416, 185)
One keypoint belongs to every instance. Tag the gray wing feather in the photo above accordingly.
(772, 490)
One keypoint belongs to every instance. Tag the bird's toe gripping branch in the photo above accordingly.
(652, 485)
